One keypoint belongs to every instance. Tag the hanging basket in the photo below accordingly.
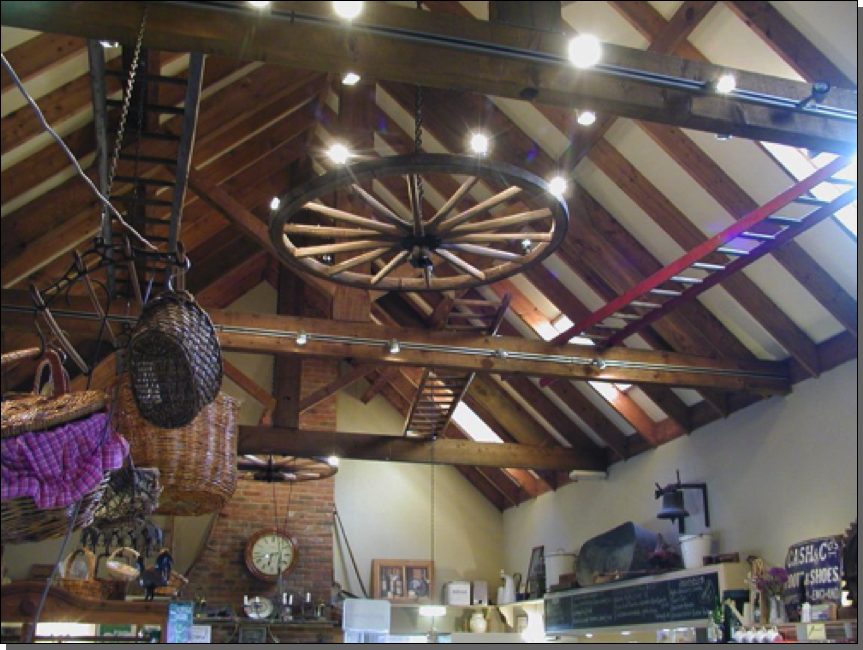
(197, 463)
(78, 575)
(175, 361)
(37, 412)
(132, 494)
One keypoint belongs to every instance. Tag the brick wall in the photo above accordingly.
(221, 572)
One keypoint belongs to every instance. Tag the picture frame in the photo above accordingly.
(403, 581)
(534, 584)
(252, 634)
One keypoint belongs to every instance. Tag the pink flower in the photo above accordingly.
(773, 582)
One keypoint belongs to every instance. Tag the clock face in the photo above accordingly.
(259, 607)
(271, 553)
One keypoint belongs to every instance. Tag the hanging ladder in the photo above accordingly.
(441, 391)
(150, 144)
(757, 234)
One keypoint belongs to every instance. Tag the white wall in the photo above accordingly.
(386, 509)
(779, 472)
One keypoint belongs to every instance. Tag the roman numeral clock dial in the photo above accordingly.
(270, 553)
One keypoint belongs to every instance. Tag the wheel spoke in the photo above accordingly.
(484, 251)
(459, 219)
(503, 222)
(500, 237)
(416, 208)
(369, 257)
(448, 207)
(382, 210)
(332, 249)
(341, 215)
(456, 261)
(390, 267)
(331, 233)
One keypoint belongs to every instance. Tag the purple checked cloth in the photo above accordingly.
(59, 466)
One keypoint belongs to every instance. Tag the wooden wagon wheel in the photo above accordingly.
(437, 249)
(288, 469)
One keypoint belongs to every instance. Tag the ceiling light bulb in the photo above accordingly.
(339, 154)
(725, 84)
(302, 338)
(586, 118)
(585, 51)
(479, 144)
(259, 5)
(348, 10)
(557, 185)
(526, 246)
(333, 461)
(394, 347)
(108, 44)
(351, 78)
(275, 202)
(328, 259)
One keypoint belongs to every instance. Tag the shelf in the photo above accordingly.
(455, 607)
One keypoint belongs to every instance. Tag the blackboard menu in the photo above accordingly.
(688, 598)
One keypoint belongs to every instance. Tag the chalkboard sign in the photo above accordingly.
(817, 564)
(688, 598)
(180, 620)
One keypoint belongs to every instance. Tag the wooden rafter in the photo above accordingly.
(348, 379)
(173, 27)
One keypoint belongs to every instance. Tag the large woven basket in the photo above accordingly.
(197, 463)
(175, 361)
(78, 575)
(23, 522)
(24, 413)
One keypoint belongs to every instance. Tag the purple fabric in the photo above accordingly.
(59, 466)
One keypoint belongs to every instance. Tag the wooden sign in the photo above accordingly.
(180, 619)
(814, 566)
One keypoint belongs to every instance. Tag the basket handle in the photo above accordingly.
(134, 555)
(59, 379)
(91, 562)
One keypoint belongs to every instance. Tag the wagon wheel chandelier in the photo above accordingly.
(499, 222)
(288, 469)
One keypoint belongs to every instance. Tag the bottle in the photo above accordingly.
(805, 605)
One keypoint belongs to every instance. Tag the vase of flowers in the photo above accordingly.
(772, 584)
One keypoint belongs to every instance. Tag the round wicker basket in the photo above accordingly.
(175, 361)
(78, 575)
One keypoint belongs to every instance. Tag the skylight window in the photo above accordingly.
(800, 164)
(473, 426)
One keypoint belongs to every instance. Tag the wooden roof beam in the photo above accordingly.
(418, 59)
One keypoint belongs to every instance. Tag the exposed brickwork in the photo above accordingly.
(222, 573)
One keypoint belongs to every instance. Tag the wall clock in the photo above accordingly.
(271, 553)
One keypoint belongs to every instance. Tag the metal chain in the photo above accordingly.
(127, 98)
(418, 134)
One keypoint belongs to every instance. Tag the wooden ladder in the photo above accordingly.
(441, 391)
(757, 234)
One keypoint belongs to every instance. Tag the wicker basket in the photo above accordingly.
(37, 412)
(23, 522)
(174, 360)
(197, 463)
(117, 566)
(78, 575)
(132, 494)
(176, 583)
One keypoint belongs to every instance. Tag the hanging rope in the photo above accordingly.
(338, 520)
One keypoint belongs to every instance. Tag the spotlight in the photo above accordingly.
(725, 84)
(526, 246)
(479, 144)
(275, 202)
(557, 185)
(339, 153)
(500, 353)
(394, 347)
(109, 44)
(328, 259)
(351, 78)
(348, 10)
(585, 51)
(599, 364)
(333, 461)
(302, 338)
(586, 118)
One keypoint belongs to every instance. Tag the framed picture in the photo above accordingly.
(534, 586)
(253, 634)
(403, 581)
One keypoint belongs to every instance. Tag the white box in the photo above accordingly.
(457, 593)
